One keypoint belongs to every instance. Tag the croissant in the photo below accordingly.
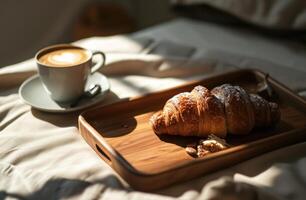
(224, 109)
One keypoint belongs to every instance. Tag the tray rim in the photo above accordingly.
(216, 155)
(117, 157)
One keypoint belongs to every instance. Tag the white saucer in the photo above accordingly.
(32, 92)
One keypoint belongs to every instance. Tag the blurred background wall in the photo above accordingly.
(27, 26)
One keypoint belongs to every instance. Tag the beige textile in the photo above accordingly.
(273, 14)
(42, 155)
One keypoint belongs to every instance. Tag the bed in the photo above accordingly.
(42, 155)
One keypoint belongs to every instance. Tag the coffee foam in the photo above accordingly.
(64, 57)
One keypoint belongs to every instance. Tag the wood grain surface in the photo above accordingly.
(121, 135)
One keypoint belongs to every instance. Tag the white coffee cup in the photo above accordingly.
(64, 69)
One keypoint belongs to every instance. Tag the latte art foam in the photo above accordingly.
(64, 57)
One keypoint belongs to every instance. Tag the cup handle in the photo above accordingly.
(100, 63)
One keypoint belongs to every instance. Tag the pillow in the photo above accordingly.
(279, 15)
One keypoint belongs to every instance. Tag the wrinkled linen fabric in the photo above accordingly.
(272, 14)
(43, 156)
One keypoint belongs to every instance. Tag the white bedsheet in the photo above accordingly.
(42, 156)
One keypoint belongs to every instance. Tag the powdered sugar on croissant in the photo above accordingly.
(224, 109)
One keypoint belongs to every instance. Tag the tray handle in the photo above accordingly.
(102, 154)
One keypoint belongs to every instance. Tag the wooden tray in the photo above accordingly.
(121, 135)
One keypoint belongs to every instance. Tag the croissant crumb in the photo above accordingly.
(204, 147)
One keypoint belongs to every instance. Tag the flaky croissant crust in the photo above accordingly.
(224, 109)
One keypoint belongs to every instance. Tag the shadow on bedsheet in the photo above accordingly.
(71, 119)
(61, 188)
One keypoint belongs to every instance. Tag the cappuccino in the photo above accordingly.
(65, 57)
(64, 69)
